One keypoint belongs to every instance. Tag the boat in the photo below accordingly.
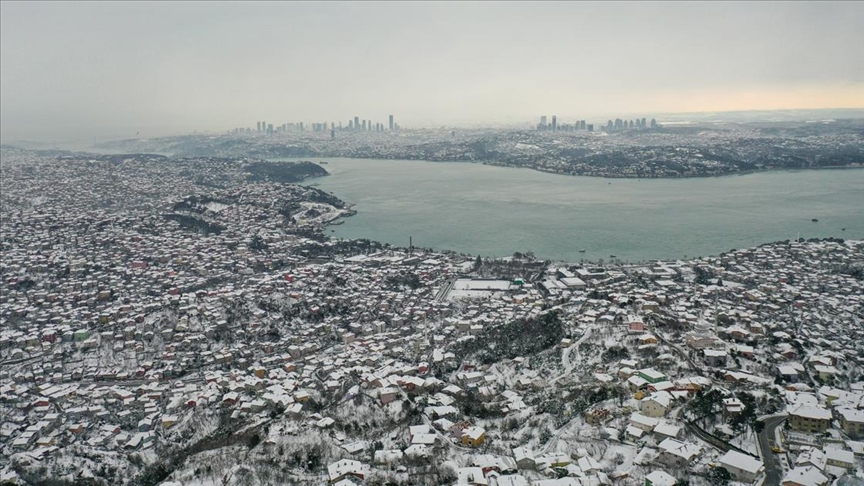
(815, 220)
(583, 249)
(842, 229)
(612, 256)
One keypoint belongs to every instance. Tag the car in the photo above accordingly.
(776, 449)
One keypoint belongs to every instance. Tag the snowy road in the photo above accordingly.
(565, 356)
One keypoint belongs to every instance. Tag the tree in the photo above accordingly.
(478, 263)
(254, 441)
(718, 476)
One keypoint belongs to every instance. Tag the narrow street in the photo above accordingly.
(773, 469)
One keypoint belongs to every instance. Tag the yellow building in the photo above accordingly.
(473, 436)
(810, 419)
(851, 421)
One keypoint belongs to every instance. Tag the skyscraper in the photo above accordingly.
(554, 123)
(259, 127)
(356, 123)
(391, 123)
(543, 122)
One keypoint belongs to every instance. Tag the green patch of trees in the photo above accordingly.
(523, 337)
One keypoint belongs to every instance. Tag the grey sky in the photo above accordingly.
(112, 69)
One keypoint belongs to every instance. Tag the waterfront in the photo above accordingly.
(495, 211)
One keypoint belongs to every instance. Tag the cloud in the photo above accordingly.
(110, 69)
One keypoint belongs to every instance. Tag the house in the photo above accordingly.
(387, 395)
(732, 407)
(840, 458)
(524, 458)
(647, 339)
(825, 372)
(389, 457)
(677, 454)
(633, 433)
(636, 383)
(145, 424)
(667, 431)
(346, 467)
(473, 436)
(857, 447)
(553, 460)
(660, 478)
(489, 463)
(597, 416)
(418, 429)
(808, 418)
(426, 439)
(745, 350)
(168, 421)
(417, 451)
(643, 422)
(742, 467)
(788, 373)
(804, 476)
(656, 405)
(851, 421)
(471, 476)
(588, 465)
(714, 357)
(512, 480)
(651, 375)
(811, 457)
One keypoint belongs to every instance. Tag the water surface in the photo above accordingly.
(496, 211)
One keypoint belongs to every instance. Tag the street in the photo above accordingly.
(773, 470)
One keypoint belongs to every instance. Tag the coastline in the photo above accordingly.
(859, 165)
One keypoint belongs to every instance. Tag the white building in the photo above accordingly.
(741, 466)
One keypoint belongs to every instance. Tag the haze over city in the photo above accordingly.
(432, 243)
(101, 69)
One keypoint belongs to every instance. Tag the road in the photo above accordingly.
(445, 290)
(565, 356)
(698, 432)
(773, 470)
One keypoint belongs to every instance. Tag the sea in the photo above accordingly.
(493, 211)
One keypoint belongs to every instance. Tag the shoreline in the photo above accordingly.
(595, 176)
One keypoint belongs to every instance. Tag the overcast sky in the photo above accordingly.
(105, 69)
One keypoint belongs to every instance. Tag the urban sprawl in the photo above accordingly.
(188, 321)
(621, 148)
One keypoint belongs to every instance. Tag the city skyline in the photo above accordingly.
(86, 70)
